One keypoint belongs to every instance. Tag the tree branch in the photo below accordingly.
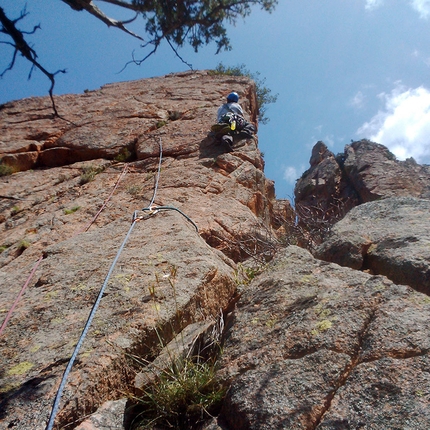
(20, 45)
(91, 8)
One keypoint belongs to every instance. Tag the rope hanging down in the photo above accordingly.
(9, 314)
(152, 210)
(105, 283)
(84, 333)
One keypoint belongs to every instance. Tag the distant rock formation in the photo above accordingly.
(335, 340)
(364, 172)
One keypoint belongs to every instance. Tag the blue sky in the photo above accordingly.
(343, 70)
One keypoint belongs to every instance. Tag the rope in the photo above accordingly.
(155, 209)
(59, 394)
(151, 211)
(84, 332)
(9, 314)
(105, 202)
(158, 174)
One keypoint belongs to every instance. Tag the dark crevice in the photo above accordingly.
(397, 355)
(30, 118)
(355, 360)
(364, 252)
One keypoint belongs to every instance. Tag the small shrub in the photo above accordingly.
(15, 210)
(161, 124)
(123, 155)
(184, 389)
(174, 115)
(5, 170)
(72, 210)
(23, 245)
(244, 275)
(134, 190)
(61, 178)
(181, 397)
(89, 173)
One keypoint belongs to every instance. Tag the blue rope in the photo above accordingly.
(56, 404)
(100, 295)
(84, 332)
(171, 208)
(154, 210)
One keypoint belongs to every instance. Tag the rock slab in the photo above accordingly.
(388, 237)
(315, 345)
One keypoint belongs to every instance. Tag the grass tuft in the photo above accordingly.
(71, 210)
(181, 397)
(5, 170)
(89, 173)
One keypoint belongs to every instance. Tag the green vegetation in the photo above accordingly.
(72, 210)
(161, 123)
(89, 173)
(14, 210)
(183, 389)
(61, 178)
(20, 369)
(23, 245)
(5, 170)
(264, 96)
(134, 190)
(321, 326)
(244, 275)
(181, 397)
(124, 155)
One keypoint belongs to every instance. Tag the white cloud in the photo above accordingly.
(404, 126)
(291, 174)
(373, 4)
(422, 7)
(329, 140)
(357, 101)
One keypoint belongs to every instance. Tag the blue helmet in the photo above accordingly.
(233, 97)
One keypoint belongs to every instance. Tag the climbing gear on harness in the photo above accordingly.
(230, 122)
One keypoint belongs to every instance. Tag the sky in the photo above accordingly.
(342, 70)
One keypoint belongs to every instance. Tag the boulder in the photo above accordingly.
(375, 173)
(388, 237)
(315, 345)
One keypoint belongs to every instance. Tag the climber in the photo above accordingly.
(231, 121)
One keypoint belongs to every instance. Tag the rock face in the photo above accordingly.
(388, 237)
(309, 343)
(315, 346)
(105, 154)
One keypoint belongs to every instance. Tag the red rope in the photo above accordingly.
(9, 314)
(105, 202)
